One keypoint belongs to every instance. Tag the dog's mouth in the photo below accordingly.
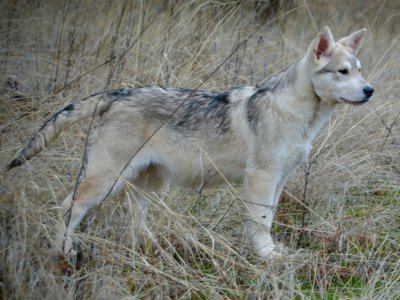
(354, 102)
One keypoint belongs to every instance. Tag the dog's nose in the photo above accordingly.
(368, 91)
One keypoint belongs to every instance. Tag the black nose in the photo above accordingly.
(368, 91)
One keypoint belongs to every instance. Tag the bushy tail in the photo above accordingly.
(93, 105)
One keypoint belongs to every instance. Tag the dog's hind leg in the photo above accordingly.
(105, 176)
(90, 192)
(151, 181)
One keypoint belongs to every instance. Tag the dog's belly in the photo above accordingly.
(202, 169)
(197, 159)
(199, 178)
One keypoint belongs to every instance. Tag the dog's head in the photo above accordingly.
(336, 70)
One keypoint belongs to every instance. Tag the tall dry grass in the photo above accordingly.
(339, 216)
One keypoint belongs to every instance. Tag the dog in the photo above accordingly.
(158, 136)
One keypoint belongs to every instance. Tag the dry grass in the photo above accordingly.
(56, 52)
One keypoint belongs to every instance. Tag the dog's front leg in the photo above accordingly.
(260, 188)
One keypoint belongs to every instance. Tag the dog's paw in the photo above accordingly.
(68, 247)
(272, 252)
(65, 245)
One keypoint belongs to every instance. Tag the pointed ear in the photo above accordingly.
(324, 43)
(354, 40)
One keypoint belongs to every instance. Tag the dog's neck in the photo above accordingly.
(295, 94)
(320, 110)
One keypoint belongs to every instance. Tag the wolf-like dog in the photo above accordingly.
(157, 136)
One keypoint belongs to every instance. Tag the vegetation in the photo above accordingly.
(339, 216)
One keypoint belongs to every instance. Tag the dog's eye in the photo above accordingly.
(344, 71)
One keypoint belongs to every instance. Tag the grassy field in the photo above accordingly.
(339, 216)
